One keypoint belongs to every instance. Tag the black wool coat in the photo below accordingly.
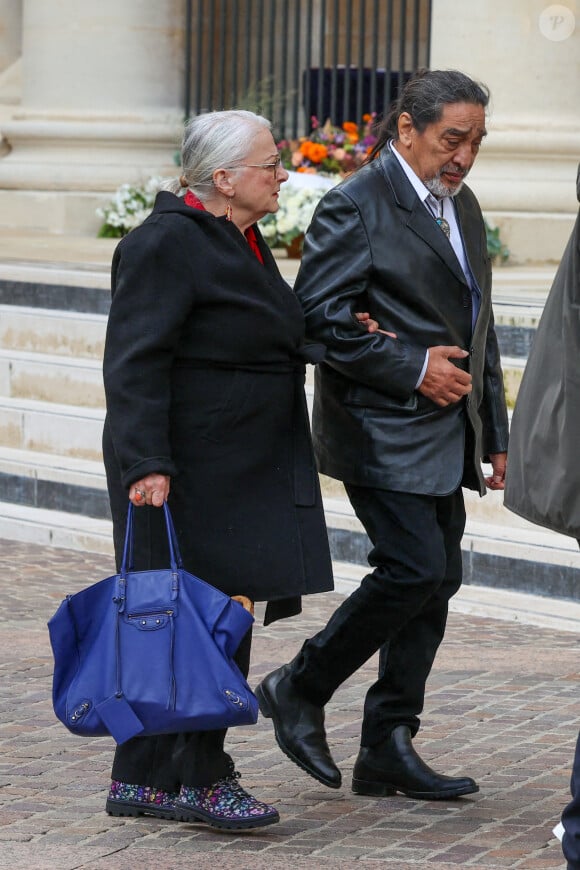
(373, 246)
(204, 381)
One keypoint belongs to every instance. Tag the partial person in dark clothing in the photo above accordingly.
(404, 421)
(571, 816)
(204, 376)
(543, 482)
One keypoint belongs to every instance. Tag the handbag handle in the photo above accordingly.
(174, 552)
(120, 593)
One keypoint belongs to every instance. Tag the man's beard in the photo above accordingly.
(438, 188)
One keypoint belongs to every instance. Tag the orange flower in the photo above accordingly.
(314, 151)
(318, 153)
(351, 131)
(330, 148)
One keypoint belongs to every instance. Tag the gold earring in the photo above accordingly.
(228, 211)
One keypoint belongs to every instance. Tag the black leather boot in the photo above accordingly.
(298, 725)
(395, 766)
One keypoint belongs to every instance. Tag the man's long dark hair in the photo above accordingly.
(424, 97)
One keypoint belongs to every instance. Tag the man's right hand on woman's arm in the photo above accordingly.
(152, 489)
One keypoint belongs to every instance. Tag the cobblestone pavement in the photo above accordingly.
(502, 706)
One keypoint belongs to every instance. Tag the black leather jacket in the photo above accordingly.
(372, 246)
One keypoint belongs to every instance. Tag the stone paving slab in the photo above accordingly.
(502, 706)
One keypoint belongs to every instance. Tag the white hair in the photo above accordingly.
(214, 140)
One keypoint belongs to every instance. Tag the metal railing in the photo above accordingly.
(291, 59)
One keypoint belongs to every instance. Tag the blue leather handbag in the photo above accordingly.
(149, 652)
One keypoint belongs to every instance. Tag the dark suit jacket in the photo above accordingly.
(373, 246)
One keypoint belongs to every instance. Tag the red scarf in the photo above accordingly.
(250, 234)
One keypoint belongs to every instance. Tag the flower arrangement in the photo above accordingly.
(129, 207)
(290, 222)
(131, 204)
(329, 149)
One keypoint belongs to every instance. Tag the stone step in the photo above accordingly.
(52, 482)
(62, 333)
(513, 371)
(63, 430)
(486, 511)
(499, 549)
(512, 284)
(55, 529)
(516, 607)
(61, 296)
(510, 555)
(523, 313)
(88, 266)
(47, 378)
(62, 483)
(518, 301)
(80, 338)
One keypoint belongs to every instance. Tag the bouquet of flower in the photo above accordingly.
(296, 207)
(128, 208)
(329, 149)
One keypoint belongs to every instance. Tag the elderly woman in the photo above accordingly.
(204, 379)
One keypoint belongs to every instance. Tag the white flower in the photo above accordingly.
(128, 208)
(268, 229)
(296, 205)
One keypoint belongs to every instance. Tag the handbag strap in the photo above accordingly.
(120, 596)
(175, 559)
(127, 560)
(174, 551)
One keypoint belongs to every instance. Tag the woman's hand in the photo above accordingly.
(152, 489)
(365, 319)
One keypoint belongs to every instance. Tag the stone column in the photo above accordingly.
(528, 53)
(10, 32)
(101, 104)
(10, 51)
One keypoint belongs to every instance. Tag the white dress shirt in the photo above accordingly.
(445, 208)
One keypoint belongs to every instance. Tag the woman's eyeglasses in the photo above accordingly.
(275, 166)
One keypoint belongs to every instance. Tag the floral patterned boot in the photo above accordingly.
(140, 800)
(225, 805)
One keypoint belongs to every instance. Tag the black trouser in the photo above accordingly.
(400, 608)
(168, 761)
(571, 817)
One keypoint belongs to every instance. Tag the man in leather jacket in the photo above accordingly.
(404, 417)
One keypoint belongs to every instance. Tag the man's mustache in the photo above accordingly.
(456, 170)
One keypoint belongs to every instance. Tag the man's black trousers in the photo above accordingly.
(399, 609)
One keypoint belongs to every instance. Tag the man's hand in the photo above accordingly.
(499, 465)
(444, 383)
